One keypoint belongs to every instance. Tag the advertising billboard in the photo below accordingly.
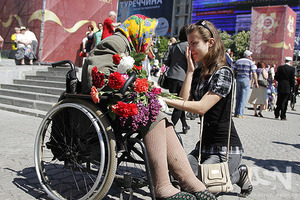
(272, 33)
(160, 9)
(235, 15)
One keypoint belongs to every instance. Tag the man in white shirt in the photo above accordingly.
(34, 42)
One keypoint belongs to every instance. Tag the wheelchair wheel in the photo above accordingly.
(75, 151)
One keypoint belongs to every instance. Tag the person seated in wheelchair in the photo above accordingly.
(165, 153)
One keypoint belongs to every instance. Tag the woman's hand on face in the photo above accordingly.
(190, 60)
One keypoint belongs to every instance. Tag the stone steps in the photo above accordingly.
(53, 84)
(47, 90)
(35, 94)
(46, 78)
(29, 95)
(27, 103)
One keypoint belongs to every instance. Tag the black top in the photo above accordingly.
(176, 60)
(285, 75)
(216, 120)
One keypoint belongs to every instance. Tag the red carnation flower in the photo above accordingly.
(98, 79)
(94, 71)
(125, 109)
(137, 67)
(94, 94)
(141, 85)
(116, 81)
(117, 58)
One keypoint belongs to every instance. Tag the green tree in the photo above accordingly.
(241, 43)
(227, 40)
(162, 47)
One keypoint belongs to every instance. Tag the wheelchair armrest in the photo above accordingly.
(83, 96)
(60, 63)
(128, 82)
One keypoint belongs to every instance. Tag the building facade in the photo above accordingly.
(181, 15)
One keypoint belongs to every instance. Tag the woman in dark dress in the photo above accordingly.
(90, 39)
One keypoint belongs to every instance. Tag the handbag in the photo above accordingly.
(163, 80)
(216, 176)
(262, 81)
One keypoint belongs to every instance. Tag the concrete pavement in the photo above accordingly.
(272, 149)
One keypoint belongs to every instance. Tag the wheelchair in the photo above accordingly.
(79, 155)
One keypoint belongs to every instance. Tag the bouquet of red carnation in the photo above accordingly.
(140, 105)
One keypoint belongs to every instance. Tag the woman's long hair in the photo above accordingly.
(215, 57)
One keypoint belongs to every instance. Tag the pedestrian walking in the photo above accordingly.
(176, 60)
(259, 94)
(229, 59)
(243, 69)
(285, 76)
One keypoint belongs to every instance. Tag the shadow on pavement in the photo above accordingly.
(272, 164)
(293, 113)
(28, 182)
(294, 145)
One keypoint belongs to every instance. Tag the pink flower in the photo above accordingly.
(125, 76)
(156, 90)
(94, 94)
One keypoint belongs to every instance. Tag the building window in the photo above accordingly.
(187, 8)
(177, 31)
(177, 21)
(177, 9)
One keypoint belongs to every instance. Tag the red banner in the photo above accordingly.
(66, 23)
(272, 33)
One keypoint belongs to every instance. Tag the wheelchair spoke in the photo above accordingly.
(73, 153)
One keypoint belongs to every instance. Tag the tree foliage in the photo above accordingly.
(238, 43)
(227, 40)
(241, 43)
(162, 46)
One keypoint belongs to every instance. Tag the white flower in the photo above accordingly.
(125, 63)
(164, 106)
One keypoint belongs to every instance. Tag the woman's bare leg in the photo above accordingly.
(156, 145)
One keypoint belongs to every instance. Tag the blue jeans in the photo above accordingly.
(242, 92)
